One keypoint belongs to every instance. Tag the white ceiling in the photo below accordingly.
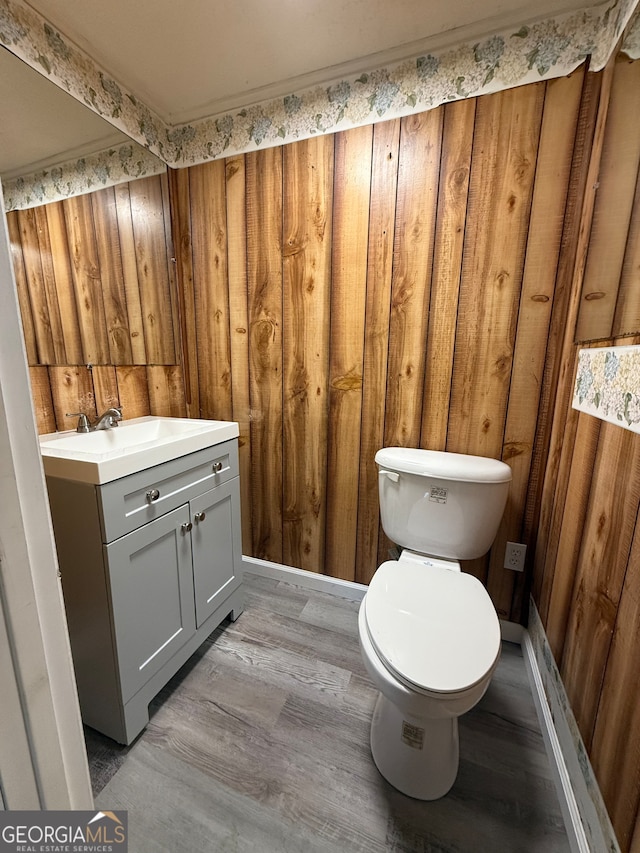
(196, 58)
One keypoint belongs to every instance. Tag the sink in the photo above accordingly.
(136, 444)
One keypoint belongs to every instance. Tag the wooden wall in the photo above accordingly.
(95, 285)
(587, 564)
(390, 285)
(610, 298)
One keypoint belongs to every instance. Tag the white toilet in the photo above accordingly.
(429, 634)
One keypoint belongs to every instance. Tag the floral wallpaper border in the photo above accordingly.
(537, 51)
(84, 175)
(593, 812)
(608, 385)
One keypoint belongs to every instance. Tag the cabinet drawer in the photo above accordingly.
(133, 501)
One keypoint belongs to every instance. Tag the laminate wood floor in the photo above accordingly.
(261, 743)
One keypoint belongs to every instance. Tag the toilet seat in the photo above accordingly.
(436, 630)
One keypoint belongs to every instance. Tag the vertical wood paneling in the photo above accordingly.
(627, 316)
(614, 202)
(265, 307)
(153, 274)
(604, 552)
(133, 391)
(418, 173)
(111, 276)
(307, 210)
(72, 391)
(570, 517)
(85, 257)
(209, 235)
(500, 190)
(503, 170)
(35, 283)
(42, 401)
(166, 391)
(553, 171)
(49, 282)
(615, 753)
(63, 276)
(557, 422)
(130, 273)
(105, 388)
(239, 331)
(351, 199)
(384, 179)
(24, 300)
(78, 216)
(455, 168)
(181, 224)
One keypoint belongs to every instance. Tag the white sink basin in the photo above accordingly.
(136, 444)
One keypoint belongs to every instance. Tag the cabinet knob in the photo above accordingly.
(199, 516)
(152, 495)
(217, 467)
(186, 528)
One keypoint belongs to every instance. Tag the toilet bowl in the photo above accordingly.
(429, 633)
(430, 642)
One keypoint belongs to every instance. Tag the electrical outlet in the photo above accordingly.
(514, 556)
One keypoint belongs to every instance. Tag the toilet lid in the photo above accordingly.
(435, 628)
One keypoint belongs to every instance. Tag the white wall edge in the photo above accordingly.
(568, 803)
(309, 580)
(511, 632)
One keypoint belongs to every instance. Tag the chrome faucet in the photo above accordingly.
(107, 420)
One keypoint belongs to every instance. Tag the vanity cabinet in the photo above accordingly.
(150, 564)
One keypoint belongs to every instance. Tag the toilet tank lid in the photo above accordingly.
(442, 465)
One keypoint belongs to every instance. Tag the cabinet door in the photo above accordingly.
(217, 548)
(152, 594)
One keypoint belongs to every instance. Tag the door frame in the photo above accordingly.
(43, 761)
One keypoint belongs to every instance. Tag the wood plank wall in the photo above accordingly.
(586, 581)
(420, 282)
(389, 285)
(95, 285)
(610, 300)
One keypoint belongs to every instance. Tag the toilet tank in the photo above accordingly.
(442, 504)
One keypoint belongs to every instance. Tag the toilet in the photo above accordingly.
(429, 633)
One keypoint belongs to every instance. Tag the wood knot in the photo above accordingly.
(501, 278)
(539, 297)
(348, 382)
(595, 294)
(513, 449)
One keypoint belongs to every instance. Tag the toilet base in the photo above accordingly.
(418, 756)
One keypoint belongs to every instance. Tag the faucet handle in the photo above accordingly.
(83, 421)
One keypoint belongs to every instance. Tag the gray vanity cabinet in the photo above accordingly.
(150, 577)
(150, 564)
(213, 548)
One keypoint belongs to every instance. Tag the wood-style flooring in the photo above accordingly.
(261, 743)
